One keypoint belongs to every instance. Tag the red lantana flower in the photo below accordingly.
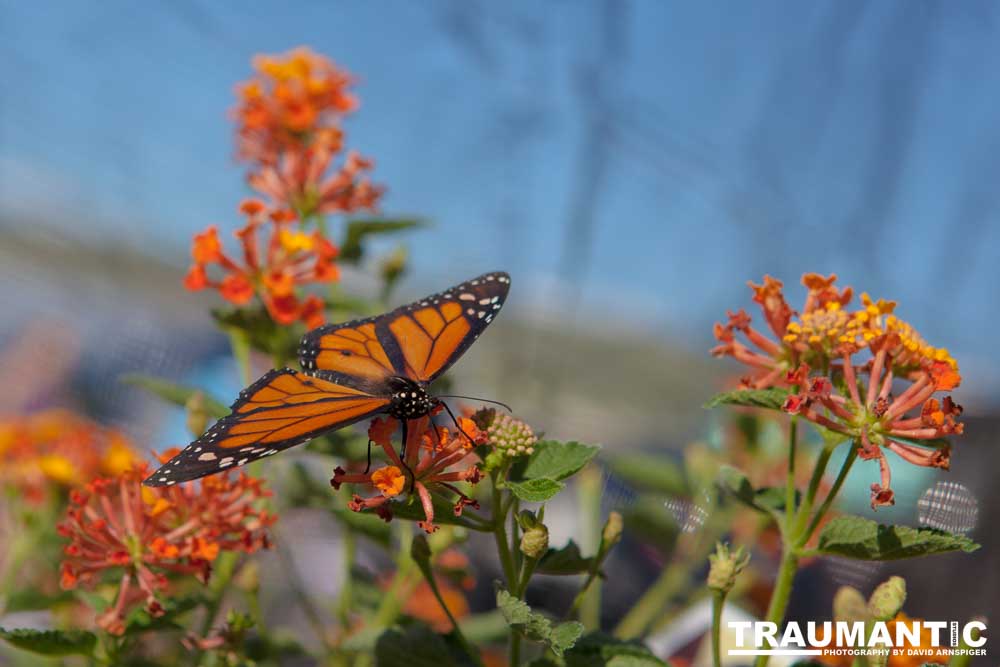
(272, 267)
(437, 458)
(140, 536)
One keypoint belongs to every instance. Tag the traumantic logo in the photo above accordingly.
(859, 638)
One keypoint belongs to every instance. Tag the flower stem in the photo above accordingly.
(825, 507)
(500, 535)
(782, 592)
(718, 602)
(793, 428)
(457, 631)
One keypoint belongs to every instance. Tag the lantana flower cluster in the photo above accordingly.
(61, 447)
(140, 536)
(862, 372)
(277, 257)
(289, 129)
(435, 459)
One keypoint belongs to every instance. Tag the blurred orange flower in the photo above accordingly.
(59, 447)
(431, 453)
(294, 100)
(139, 535)
(272, 269)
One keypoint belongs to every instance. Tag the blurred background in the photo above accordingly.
(631, 164)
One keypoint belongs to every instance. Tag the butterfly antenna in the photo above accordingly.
(474, 398)
(457, 425)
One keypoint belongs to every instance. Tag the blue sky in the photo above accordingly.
(706, 143)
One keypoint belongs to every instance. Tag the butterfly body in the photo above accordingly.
(351, 371)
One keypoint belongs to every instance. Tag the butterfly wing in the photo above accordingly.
(420, 340)
(282, 409)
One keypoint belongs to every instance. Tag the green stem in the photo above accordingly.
(650, 605)
(793, 428)
(718, 602)
(782, 593)
(500, 536)
(457, 631)
(828, 501)
(589, 495)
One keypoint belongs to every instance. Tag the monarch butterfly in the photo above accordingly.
(351, 371)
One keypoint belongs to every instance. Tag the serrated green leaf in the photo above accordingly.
(51, 642)
(535, 626)
(651, 473)
(565, 561)
(771, 399)
(564, 636)
(857, 537)
(554, 460)
(536, 490)
(352, 250)
(413, 646)
(601, 650)
(172, 392)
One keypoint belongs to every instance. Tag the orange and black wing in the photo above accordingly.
(419, 341)
(280, 410)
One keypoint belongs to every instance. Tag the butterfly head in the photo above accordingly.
(409, 399)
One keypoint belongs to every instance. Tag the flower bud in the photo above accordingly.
(849, 605)
(197, 414)
(612, 533)
(888, 599)
(724, 565)
(535, 541)
(511, 436)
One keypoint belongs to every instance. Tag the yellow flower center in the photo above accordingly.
(389, 481)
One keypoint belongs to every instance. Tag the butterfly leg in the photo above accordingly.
(369, 466)
(402, 454)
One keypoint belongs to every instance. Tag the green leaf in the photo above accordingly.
(536, 490)
(857, 537)
(444, 512)
(651, 473)
(564, 636)
(351, 250)
(366, 523)
(51, 642)
(532, 625)
(600, 650)
(413, 646)
(171, 392)
(567, 560)
(768, 499)
(772, 398)
(554, 460)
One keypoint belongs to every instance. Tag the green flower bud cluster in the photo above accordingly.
(511, 436)
(724, 565)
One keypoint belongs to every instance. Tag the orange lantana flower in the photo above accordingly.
(294, 100)
(139, 535)
(436, 458)
(271, 269)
